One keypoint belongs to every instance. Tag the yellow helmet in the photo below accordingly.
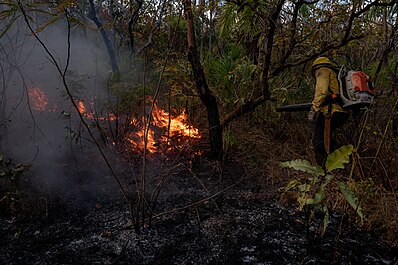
(321, 60)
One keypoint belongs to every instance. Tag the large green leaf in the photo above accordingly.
(303, 165)
(351, 198)
(338, 158)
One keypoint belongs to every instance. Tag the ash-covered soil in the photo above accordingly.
(242, 223)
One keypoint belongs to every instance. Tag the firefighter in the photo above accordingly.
(326, 110)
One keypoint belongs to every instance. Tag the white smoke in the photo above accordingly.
(49, 139)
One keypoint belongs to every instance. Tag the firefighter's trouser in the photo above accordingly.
(337, 120)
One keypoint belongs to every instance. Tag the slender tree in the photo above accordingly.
(134, 11)
(205, 94)
(111, 51)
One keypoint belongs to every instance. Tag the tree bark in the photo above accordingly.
(243, 109)
(111, 52)
(270, 43)
(132, 22)
(205, 94)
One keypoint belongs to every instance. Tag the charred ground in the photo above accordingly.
(240, 222)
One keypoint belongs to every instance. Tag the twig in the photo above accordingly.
(193, 204)
(147, 124)
(66, 86)
(204, 187)
(122, 252)
(384, 135)
(200, 201)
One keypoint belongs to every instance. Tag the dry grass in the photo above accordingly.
(261, 146)
(382, 216)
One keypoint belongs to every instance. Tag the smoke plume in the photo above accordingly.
(48, 134)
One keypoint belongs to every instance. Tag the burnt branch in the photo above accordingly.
(111, 52)
(155, 27)
(205, 200)
(314, 55)
(355, 15)
(293, 30)
(390, 45)
(270, 42)
(252, 104)
(346, 39)
(133, 21)
(243, 109)
(202, 88)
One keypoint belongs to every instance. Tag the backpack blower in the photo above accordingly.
(356, 92)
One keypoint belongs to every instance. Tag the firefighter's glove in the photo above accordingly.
(311, 115)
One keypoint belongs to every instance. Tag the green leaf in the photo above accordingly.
(351, 198)
(325, 210)
(304, 187)
(317, 199)
(292, 184)
(338, 158)
(319, 195)
(303, 165)
(327, 180)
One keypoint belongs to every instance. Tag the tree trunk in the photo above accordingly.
(270, 43)
(111, 52)
(132, 21)
(205, 94)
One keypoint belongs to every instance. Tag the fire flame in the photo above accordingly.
(161, 123)
(169, 126)
(178, 125)
(164, 129)
(90, 114)
(83, 110)
(137, 139)
(37, 99)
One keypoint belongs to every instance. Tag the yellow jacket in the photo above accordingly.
(326, 83)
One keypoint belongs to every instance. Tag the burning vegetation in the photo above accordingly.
(161, 130)
(38, 100)
(158, 131)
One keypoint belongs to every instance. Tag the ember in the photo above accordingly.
(37, 99)
(90, 114)
(83, 110)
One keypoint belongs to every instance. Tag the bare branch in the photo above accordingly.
(270, 42)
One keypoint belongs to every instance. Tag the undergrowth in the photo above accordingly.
(264, 139)
(10, 190)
